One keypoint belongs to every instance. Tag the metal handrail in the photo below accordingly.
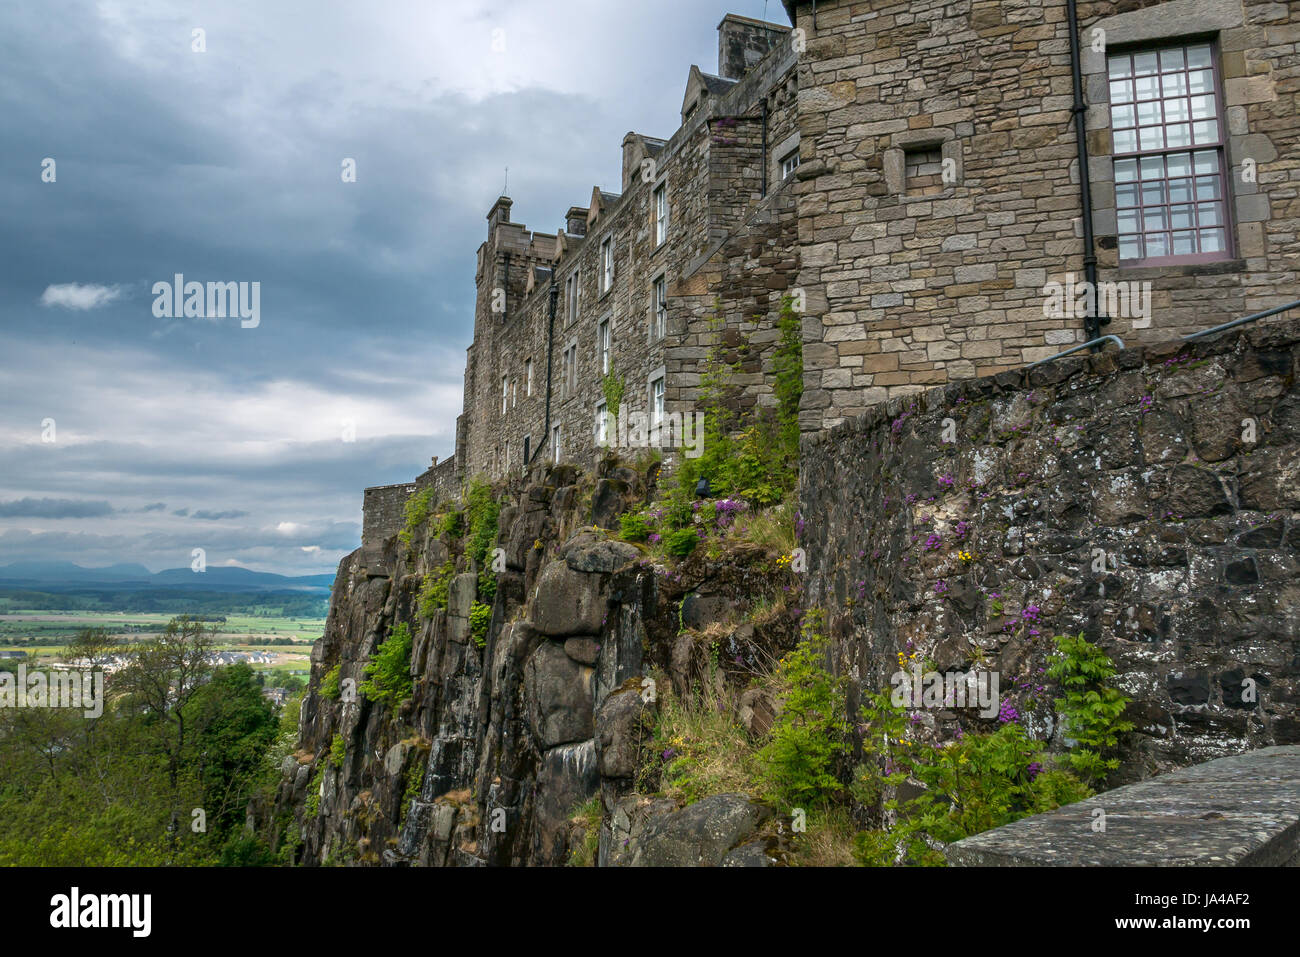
(1087, 345)
(1243, 320)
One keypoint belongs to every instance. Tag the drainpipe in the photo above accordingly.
(764, 190)
(1092, 323)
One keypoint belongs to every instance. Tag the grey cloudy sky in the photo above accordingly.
(224, 165)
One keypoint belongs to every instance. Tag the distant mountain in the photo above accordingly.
(68, 573)
(235, 575)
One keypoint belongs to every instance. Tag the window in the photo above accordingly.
(555, 442)
(569, 371)
(661, 214)
(690, 111)
(528, 377)
(514, 393)
(603, 346)
(602, 433)
(657, 402)
(607, 264)
(789, 164)
(528, 447)
(923, 171)
(1170, 189)
(571, 294)
(660, 303)
(505, 393)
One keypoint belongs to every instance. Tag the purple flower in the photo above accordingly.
(1007, 713)
(1035, 769)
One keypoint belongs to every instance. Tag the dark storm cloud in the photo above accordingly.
(219, 516)
(53, 508)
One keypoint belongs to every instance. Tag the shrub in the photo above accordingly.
(681, 542)
(417, 513)
(811, 734)
(974, 783)
(338, 751)
(453, 524)
(1092, 709)
(753, 453)
(434, 591)
(480, 616)
(388, 673)
(634, 527)
(481, 511)
(329, 685)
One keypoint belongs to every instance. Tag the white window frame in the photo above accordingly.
(661, 214)
(555, 443)
(606, 264)
(659, 307)
(528, 378)
(604, 345)
(789, 163)
(505, 394)
(657, 392)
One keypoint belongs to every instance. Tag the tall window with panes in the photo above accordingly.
(661, 214)
(1167, 126)
(657, 402)
(660, 297)
(571, 297)
(603, 345)
(607, 264)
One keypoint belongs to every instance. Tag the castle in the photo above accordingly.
(910, 171)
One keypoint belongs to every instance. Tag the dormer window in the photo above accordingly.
(690, 111)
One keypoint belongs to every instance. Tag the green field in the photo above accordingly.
(43, 634)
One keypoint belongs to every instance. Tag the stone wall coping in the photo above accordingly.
(1242, 810)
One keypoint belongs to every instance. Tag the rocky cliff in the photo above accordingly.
(501, 742)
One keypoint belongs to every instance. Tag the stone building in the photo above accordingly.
(940, 194)
(910, 172)
(701, 229)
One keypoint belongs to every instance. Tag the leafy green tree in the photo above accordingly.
(233, 725)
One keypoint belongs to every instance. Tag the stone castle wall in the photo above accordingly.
(1146, 498)
(914, 287)
(729, 256)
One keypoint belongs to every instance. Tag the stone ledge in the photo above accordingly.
(1241, 811)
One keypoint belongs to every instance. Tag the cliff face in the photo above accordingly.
(499, 744)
